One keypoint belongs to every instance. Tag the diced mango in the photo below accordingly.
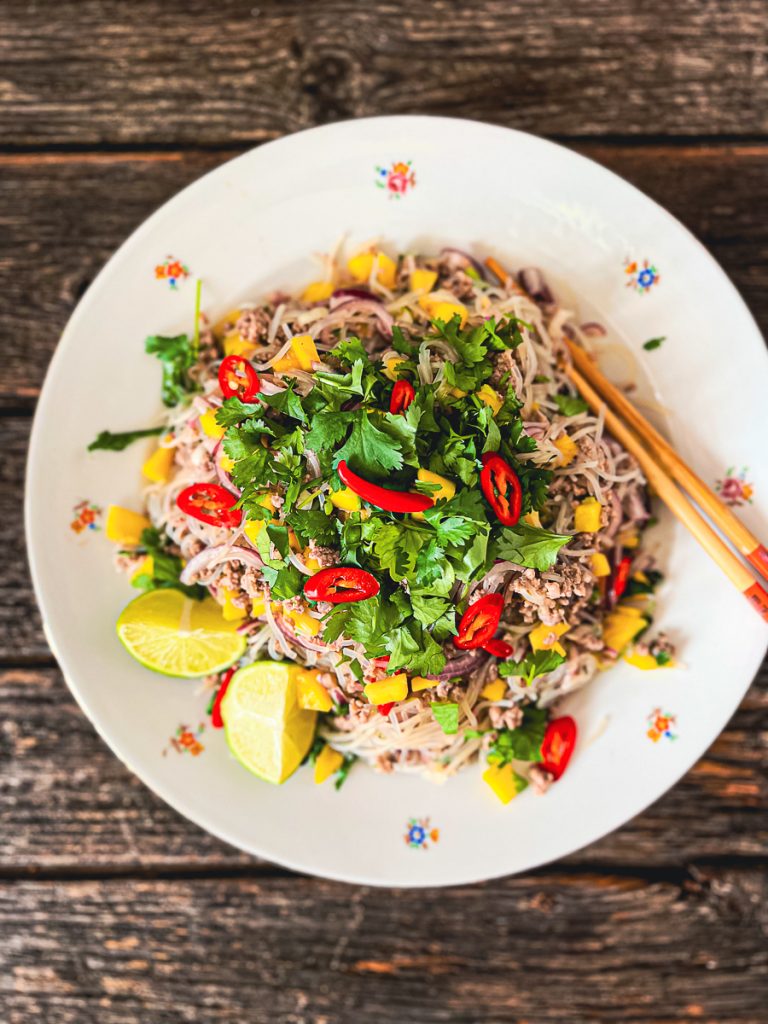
(393, 688)
(568, 450)
(419, 683)
(287, 361)
(312, 695)
(439, 309)
(447, 487)
(305, 350)
(628, 538)
(312, 564)
(157, 468)
(586, 517)
(124, 526)
(318, 291)
(209, 425)
(258, 607)
(390, 366)
(234, 345)
(327, 762)
(532, 518)
(304, 622)
(490, 397)
(361, 268)
(346, 500)
(145, 568)
(621, 626)
(422, 280)
(504, 781)
(641, 577)
(545, 638)
(646, 662)
(494, 690)
(227, 320)
(457, 392)
(600, 565)
(231, 612)
(253, 528)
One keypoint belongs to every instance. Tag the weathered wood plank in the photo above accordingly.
(55, 247)
(197, 74)
(549, 948)
(66, 803)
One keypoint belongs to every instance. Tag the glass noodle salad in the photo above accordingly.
(383, 526)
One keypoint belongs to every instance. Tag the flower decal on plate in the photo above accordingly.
(641, 276)
(85, 516)
(734, 489)
(418, 834)
(186, 741)
(173, 271)
(660, 725)
(396, 179)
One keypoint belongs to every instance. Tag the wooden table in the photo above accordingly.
(112, 908)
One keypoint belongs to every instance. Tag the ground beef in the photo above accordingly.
(252, 583)
(253, 325)
(452, 275)
(540, 778)
(506, 718)
(325, 556)
(587, 636)
(551, 600)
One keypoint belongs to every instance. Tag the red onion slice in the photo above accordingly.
(460, 260)
(345, 294)
(373, 306)
(461, 666)
(207, 556)
(532, 279)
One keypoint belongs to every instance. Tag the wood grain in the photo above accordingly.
(68, 805)
(63, 216)
(197, 74)
(550, 948)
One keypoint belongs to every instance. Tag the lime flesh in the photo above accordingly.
(172, 634)
(266, 730)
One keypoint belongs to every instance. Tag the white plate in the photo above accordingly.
(251, 225)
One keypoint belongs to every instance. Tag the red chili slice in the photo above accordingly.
(621, 578)
(238, 379)
(498, 648)
(501, 487)
(384, 709)
(210, 503)
(479, 622)
(557, 745)
(341, 584)
(402, 396)
(216, 720)
(382, 497)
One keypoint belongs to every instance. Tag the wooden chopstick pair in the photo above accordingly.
(662, 467)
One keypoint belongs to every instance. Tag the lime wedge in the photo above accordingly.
(266, 730)
(172, 634)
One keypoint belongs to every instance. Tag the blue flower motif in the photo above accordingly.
(646, 278)
(417, 835)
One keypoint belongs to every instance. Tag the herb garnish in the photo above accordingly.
(653, 343)
(177, 355)
(108, 442)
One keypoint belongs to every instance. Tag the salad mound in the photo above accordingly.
(389, 483)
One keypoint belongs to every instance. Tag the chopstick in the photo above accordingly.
(736, 532)
(676, 501)
(597, 398)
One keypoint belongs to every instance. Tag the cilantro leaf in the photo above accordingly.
(368, 450)
(531, 547)
(367, 622)
(234, 411)
(287, 402)
(327, 430)
(312, 524)
(106, 441)
(284, 583)
(427, 610)
(447, 716)
(653, 343)
(412, 648)
(523, 743)
(570, 405)
(538, 663)
(177, 356)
